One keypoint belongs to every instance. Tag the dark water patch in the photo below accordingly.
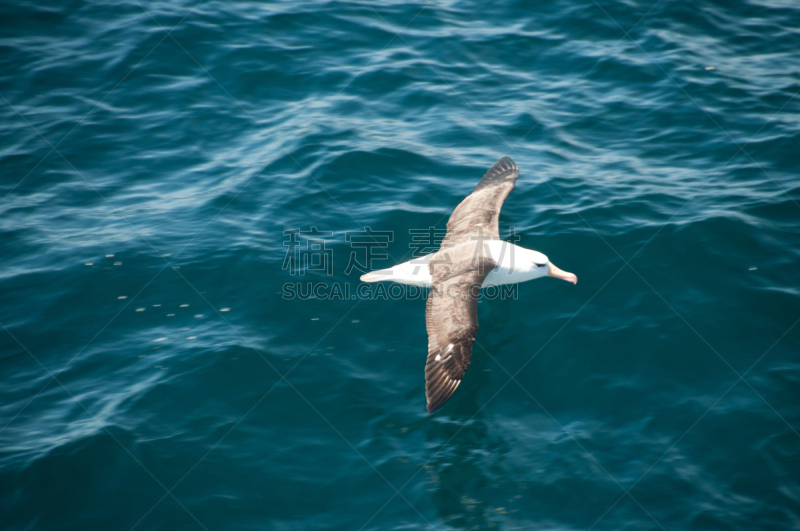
(181, 158)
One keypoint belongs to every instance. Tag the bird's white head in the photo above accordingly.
(538, 265)
(517, 264)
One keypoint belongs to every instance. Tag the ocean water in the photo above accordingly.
(176, 177)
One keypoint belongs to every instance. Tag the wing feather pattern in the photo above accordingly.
(477, 216)
(451, 317)
(458, 270)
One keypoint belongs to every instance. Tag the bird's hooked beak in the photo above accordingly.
(563, 275)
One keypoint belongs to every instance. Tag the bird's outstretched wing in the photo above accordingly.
(451, 316)
(477, 216)
(458, 270)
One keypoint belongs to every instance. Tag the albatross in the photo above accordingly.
(472, 256)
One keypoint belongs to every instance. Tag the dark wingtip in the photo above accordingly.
(504, 169)
(439, 393)
(435, 399)
(433, 406)
(506, 163)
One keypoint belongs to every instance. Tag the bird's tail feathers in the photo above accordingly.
(377, 276)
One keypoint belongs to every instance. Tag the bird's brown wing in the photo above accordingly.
(458, 270)
(451, 315)
(477, 217)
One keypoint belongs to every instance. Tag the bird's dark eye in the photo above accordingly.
(540, 265)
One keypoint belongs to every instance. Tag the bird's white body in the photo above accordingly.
(514, 264)
(471, 253)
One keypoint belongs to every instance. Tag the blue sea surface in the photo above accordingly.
(176, 176)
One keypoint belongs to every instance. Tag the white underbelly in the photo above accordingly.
(497, 277)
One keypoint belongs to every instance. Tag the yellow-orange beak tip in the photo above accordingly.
(563, 275)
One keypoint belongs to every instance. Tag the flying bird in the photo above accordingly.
(472, 256)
